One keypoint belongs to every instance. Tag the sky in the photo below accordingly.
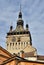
(33, 15)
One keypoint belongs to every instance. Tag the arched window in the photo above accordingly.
(16, 43)
(13, 44)
(19, 43)
(10, 44)
(24, 44)
(27, 43)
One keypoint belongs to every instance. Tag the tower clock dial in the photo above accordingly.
(13, 39)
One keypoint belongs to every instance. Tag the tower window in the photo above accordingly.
(27, 43)
(16, 46)
(7, 45)
(19, 43)
(20, 32)
(10, 44)
(13, 44)
(24, 44)
(16, 43)
(24, 32)
(17, 32)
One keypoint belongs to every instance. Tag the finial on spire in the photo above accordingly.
(20, 7)
(20, 13)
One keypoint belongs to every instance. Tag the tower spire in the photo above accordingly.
(20, 21)
(20, 13)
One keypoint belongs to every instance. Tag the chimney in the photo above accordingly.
(21, 54)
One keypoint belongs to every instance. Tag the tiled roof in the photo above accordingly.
(40, 57)
(19, 59)
(5, 51)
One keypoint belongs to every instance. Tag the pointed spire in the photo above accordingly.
(20, 21)
(20, 13)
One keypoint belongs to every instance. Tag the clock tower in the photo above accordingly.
(19, 39)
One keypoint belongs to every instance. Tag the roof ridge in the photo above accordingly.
(5, 51)
(3, 56)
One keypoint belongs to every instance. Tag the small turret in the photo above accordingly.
(27, 27)
(11, 27)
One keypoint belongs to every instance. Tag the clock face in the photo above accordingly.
(13, 39)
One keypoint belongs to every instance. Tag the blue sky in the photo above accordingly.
(33, 14)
